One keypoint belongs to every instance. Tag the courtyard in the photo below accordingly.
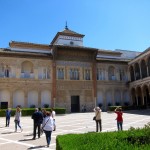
(68, 123)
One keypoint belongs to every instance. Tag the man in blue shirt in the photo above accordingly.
(8, 115)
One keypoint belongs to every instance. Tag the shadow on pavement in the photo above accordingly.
(31, 134)
(7, 132)
(26, 140)
(36, 147)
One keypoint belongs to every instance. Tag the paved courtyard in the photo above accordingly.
(68, 123)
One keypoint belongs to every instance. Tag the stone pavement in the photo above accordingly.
(68, 123)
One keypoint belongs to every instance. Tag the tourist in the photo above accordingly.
(48, 124)
(8, 115)
(17, 119)
(53, 113)
(98, 120)
(37, 120)
(119, 118)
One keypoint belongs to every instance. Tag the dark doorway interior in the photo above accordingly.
(75, 104)
(4, 105)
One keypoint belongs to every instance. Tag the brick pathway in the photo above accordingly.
(69, 123)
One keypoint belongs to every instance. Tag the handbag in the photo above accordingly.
(94, 118)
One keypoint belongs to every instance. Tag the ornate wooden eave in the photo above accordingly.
(7, 53)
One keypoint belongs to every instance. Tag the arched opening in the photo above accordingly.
(148, 64)
(146, 95)
(132, 73)
(143, 69)
(111, 73)
(137, 71)
(133, 96)
(26, 69)
(139, 96)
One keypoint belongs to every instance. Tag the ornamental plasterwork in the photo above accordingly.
(74, 85)
(73, 63)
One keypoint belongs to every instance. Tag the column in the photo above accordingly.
(94, 81)
(39, 98)
(54, 84)
(26, 99)
(11, 99)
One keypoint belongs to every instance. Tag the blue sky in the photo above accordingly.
(106, 24)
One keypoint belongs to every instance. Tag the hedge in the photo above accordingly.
(30, 111)
(133, 139)
(112, 108)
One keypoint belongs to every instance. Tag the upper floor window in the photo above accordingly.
(100, 74)
(44, 73)
(87, 74)
(111, 73)
(74, 74)
(60, 73)
(5, 71)
(27, 70)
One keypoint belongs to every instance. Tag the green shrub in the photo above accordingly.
(133, 139)
(30, 111)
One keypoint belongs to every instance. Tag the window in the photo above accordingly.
(44, 73)
(87, 74)
(74, 74)
(60, 73)
(100, 74)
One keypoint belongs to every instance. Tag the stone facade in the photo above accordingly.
(68, 76)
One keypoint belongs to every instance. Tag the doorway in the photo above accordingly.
(75, 104)
(4, 105)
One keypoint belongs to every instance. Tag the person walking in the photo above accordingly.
(17, 119)
(48, 124)
(98, 120)
(37, 120)
(119, 118)
(8, 115)
(53, 116)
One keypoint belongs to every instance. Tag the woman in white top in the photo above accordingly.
(98, 120)
(17, 119)
(48, 125)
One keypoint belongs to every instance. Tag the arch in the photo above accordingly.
(108, 98)
(45, 98)
(139, 95)
(111, 73)
(143, 69)
(131, 73)
(148, 65)
(126, 97)
(32, 98)
(133, 96)
(27, 69)
(18, 98)
(99, 98)
(146, 95)
(137, 71)
(117, 97)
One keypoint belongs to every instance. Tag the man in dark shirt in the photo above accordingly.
(8, 115)
(37, 118)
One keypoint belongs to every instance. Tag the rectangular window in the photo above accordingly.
(74, 74)
(87, 74)
(60, 73)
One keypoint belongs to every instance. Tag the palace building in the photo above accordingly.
(67, 74)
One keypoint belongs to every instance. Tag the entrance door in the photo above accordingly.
(75, 104)
(4, 105)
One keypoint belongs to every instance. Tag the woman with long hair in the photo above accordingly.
(17, 119)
